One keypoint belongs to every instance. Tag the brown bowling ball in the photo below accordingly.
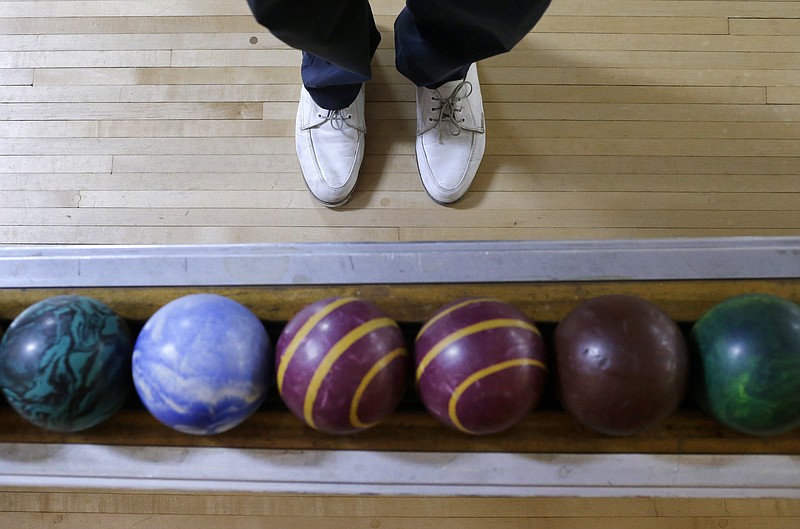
(621, 363)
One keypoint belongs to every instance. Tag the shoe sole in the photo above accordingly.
(330, 204)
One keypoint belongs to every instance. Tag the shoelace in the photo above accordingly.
(336, 118)
(448, 107)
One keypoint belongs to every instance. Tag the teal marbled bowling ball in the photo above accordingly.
(747, 372)
(65, 363)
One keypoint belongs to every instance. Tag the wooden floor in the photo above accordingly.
(242, 511)
(144, 121)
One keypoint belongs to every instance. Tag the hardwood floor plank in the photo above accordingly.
(398, 506)
(74, 234)
(678, 24)
(148, 521)
(365, 214)
(102, 111)
(93, 24)
(82, 59)
(16, 77)
(765, 26)
(55, 164)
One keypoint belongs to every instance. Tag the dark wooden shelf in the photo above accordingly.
(684, 300)
(687, 432)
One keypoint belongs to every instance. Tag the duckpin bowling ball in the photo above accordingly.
(480, 365)
(748, 369)
(622, 364)
(202, 363)
(341, 365)
(65, 363)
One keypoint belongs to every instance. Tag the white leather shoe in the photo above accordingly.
(330, 147)
(451, 137)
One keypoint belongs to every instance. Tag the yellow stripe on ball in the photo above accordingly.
(362, 387)
(338, 349)
(467, 331)
(478, 375)
(447, 311)
(301, 334)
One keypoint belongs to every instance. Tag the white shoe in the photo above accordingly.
(330, 146)
(451, 137)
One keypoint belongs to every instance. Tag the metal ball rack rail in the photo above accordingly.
(410, 454)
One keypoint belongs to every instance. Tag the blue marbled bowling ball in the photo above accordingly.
(202, 364)
(65, 363)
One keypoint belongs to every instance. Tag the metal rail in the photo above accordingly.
(398, 263)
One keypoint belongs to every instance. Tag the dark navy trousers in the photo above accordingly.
(435, 40)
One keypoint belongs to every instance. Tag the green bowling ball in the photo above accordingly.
(747, 369)
(65, 363)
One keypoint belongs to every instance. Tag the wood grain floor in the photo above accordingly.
(171, 122)
(177, 511)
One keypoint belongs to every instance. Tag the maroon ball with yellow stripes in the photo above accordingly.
(342, 365)
(480, 365)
